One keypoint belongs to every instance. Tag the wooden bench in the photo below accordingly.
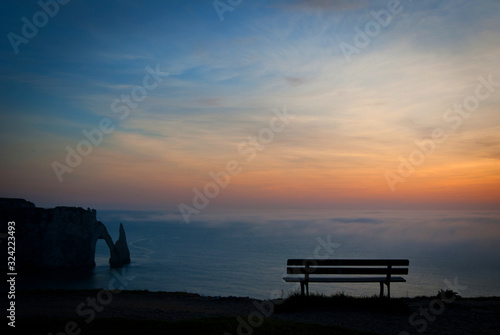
(305, 271)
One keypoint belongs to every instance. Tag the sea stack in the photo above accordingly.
(60, 237)
(120, 254)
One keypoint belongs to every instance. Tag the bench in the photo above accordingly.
(305, 271)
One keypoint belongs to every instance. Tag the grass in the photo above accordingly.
(219, 326)
(296, 302)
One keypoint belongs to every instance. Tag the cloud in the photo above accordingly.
(211, 101)
(295, 81)
(352, 121)
(338, 5)
(357, 220)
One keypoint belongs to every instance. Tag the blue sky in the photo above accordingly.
(351, 119)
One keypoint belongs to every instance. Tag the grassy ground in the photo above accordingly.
(296, 302)
(219, 326)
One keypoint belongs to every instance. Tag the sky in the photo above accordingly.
(198, 105)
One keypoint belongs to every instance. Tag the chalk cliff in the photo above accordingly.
(60, 237)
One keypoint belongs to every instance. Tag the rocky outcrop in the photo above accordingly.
(119, 253)
(60, 237)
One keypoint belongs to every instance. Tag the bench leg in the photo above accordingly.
(382, 289)
(304, 288)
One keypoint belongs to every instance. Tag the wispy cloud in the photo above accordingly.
(352, 121)
(326, 4)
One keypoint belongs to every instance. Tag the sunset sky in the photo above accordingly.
(359, 86)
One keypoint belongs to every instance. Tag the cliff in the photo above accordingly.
(60, 237)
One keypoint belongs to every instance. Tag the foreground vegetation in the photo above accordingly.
(226, 325)
(216, 326)
(297, 302)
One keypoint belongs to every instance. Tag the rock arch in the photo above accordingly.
(60, 237)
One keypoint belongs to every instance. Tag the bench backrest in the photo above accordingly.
(386, 267)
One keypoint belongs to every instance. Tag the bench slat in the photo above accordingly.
(344, 280)
(349, 262)
(346, 271)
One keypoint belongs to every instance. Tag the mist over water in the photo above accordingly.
(244, 254)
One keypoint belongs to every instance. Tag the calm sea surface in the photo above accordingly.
(244, 254)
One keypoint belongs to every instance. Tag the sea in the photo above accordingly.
(244, 253)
